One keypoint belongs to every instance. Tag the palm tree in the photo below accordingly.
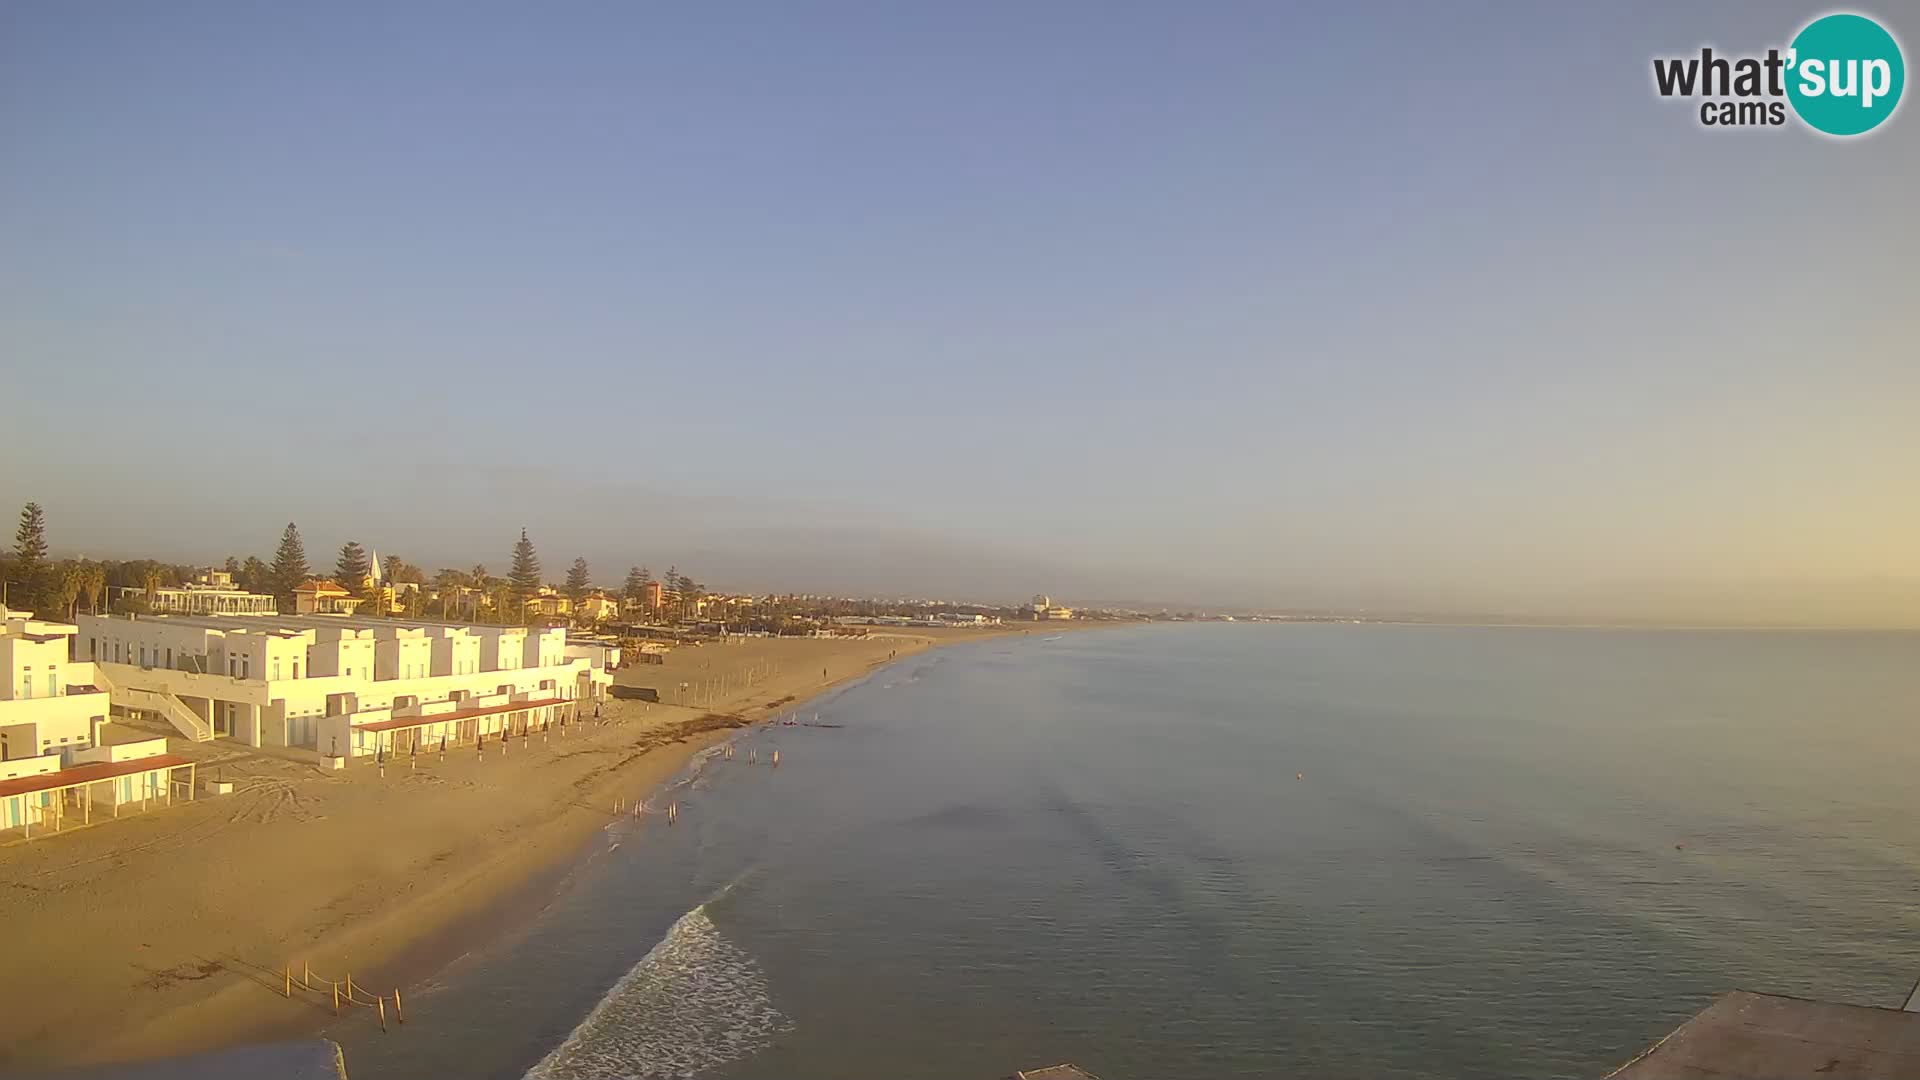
(151, 581)
(67, 586)
(94, 583)
(478, 579)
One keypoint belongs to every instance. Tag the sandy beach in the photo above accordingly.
(169, 930)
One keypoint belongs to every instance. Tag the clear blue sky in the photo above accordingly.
(1412, 304)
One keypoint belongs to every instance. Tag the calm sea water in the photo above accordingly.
(1214, 850)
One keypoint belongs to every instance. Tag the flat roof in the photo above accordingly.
(294, 623)
(1745, 1034)
(400, 722)
(88, 774)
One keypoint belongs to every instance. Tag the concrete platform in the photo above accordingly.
(1749, 1035)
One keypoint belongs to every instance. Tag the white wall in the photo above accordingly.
(341, 651)
(38, 726)
(456, 652)
(502, 648)
(14, 768)
(404, 656)
(165, 644)
(33, 664)
(544, 647)
(126, 751)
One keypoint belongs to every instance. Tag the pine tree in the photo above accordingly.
(525, 575)
(30, 557)
(636, 586)
(350, 569)
(578, 580)
(289, 570)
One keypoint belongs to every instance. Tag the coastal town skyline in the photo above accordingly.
(1727, 603)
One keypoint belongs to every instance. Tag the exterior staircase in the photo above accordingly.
(172, 709)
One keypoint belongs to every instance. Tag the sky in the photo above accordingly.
(1382, 306)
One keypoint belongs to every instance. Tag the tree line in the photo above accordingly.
(57, 589)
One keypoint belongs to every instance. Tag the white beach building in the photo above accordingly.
(340, 685)
(212, 593)
(49, 705)
(57, 762)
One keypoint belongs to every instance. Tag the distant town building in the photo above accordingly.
(548, 602)
(322, 597)
(210, 593)
(596, 607)
(1043, 608)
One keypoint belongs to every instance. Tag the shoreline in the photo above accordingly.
(412, 899)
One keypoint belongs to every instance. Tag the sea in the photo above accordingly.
(1211, 850)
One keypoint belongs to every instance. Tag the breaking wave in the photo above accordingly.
(696, 1001)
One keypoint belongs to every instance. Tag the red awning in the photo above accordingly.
(88, 774)
(401, 722)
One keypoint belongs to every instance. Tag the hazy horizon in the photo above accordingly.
(1391, 308)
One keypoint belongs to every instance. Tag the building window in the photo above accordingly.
(26, 686)
(93, 648)
(169, 656)
(296, 669)
(276, 671)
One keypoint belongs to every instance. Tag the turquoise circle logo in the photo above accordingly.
(1845, 74)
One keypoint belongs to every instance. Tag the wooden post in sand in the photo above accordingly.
(396, 1006)
(382, 1002)
(306, 976)
(336, 999)
(289, 987)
